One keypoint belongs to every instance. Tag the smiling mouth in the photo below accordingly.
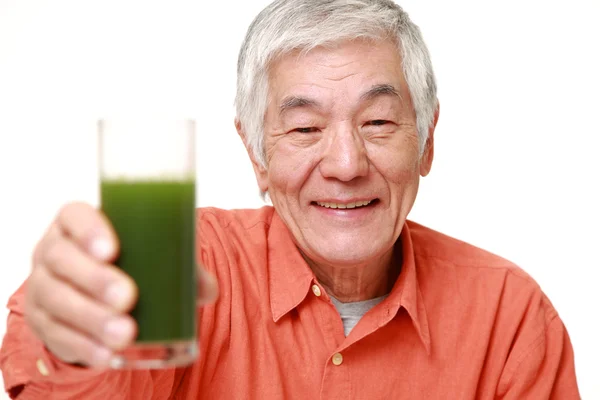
(346, 206)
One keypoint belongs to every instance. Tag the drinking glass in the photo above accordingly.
(147, 190)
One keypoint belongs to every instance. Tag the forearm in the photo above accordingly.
(32, 372)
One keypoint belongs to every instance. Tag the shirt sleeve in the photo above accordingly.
(32, 372)
(546, 370)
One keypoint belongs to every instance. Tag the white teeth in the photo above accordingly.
(344, 206)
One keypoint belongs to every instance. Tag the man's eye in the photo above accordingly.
(378, 122)
(305, 130)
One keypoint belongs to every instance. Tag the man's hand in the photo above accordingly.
(76, 300)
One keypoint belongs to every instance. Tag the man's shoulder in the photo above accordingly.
(234, 231)
(226, 239)
(443, 258)
(440, 249)
(243, 219)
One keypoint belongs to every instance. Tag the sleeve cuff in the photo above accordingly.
(38, 368)
(50, 368)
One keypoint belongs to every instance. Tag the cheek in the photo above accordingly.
(399, 165)
(289, 168)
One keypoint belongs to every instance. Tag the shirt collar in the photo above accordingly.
(290, 276)
(290, 279)
(406, 292)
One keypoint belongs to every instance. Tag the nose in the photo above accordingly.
(345, 157)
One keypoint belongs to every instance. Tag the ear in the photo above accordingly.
(427, 157)
(259, 171)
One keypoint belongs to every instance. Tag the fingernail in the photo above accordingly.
(117, 362)
(117, 330)
(101, 248)
(102, 355)
(117, 295)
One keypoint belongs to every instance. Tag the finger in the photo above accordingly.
(90, 229)
(70, 307)
(103, 282)
(71, 346)
(52, 234)
(208, 289)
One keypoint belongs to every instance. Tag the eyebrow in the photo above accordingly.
(292, 102)
(380, 90)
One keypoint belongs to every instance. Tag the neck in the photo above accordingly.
(361, 281)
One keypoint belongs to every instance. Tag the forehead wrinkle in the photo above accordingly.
(341, 78)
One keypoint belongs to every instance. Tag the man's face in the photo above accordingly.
(342, 150)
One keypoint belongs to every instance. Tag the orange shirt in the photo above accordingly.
(460, 323)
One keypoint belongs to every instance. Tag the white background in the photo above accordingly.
(516, 168)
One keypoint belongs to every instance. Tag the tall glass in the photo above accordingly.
(147, 170)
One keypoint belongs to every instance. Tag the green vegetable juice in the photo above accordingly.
(155, 223)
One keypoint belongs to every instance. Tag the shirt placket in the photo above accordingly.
(335, 383)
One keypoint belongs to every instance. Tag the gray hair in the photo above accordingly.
(288, 25)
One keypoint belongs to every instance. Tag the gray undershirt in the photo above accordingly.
(351, 313)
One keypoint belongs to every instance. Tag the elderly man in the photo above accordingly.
(329, 294)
